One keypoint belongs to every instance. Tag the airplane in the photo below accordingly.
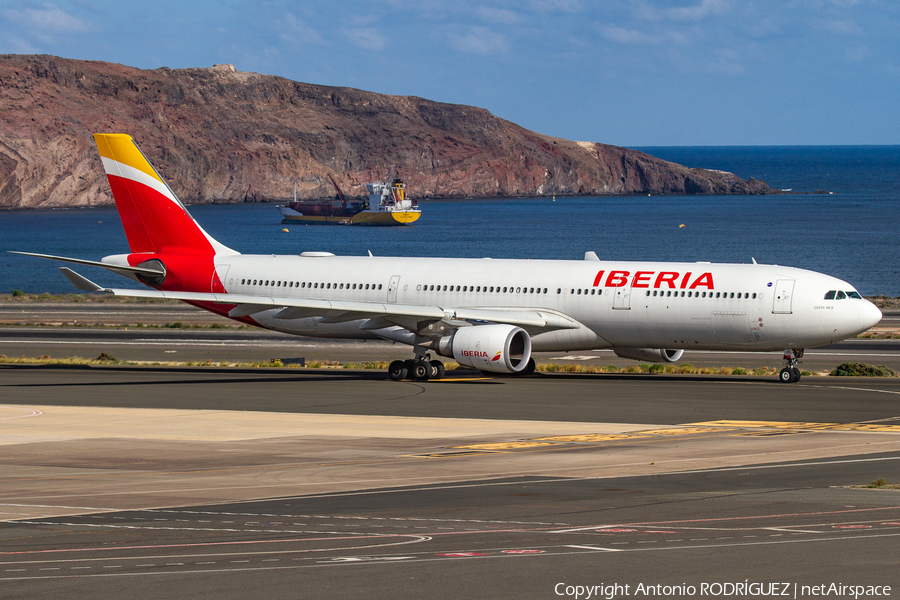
(485, 314)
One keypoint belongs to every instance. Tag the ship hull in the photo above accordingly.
(365, 217)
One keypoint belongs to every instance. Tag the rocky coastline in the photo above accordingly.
(218, 135)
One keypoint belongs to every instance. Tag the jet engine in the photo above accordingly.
(650, 354)
(494, 348)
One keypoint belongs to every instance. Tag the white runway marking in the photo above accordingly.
(31, 412)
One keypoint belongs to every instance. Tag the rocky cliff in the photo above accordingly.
(220, 135)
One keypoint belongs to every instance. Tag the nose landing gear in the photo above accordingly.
(790, 373)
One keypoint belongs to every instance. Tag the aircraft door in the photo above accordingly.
(217, 285)
(392, 289)
(783, 296)
(622, 298)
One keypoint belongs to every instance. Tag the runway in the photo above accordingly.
(521, 540)
(325, 483)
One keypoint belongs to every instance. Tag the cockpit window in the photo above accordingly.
(830, 295)
(854, 295)
(840, 296)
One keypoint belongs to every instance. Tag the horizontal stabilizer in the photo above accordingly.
(121, 270)
(82, 283)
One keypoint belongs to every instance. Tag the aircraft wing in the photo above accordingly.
(409, 316)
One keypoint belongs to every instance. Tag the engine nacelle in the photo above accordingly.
(650, 354)
(495, 348)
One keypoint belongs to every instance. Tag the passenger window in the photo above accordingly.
(840, 296)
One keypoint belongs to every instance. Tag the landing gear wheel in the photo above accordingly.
(438, 371)
(790, 373)
(421, 370)
(397, 370)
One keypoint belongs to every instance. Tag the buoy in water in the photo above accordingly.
(286, 231)
(682, 225)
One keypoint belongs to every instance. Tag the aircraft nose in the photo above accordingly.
(869, 315)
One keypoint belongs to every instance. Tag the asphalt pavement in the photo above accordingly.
(322, 483)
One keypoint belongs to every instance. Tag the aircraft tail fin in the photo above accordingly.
(154, 218)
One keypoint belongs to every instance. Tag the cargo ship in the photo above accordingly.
(388, 205)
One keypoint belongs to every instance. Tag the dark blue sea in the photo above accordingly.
(850, 232)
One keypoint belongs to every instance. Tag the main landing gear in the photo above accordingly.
(418, 369)
(790, 373)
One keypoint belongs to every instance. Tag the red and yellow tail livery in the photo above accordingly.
(158, 226)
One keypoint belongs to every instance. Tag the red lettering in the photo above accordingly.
(617, 278)
(642, 279)
(704, 280)
(666, 277)
(598, 278)
(685, 280)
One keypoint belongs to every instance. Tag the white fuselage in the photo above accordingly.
(617, 304)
